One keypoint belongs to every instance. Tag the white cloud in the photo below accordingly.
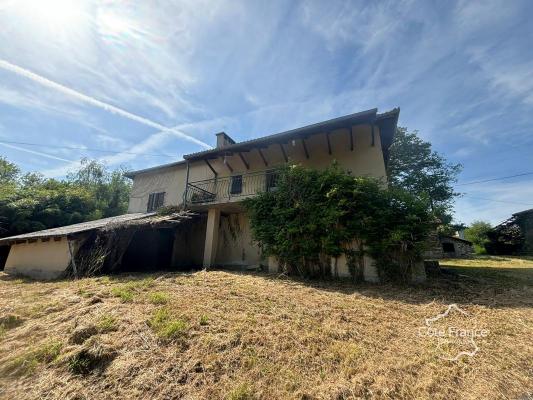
(39, 153)
(94, 102)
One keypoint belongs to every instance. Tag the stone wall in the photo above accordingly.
(447, 247)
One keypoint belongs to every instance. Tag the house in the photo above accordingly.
(213, 183)
(447, 246)
(524, 219)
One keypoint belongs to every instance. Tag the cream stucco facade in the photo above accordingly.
(40, 260)
(366, 159)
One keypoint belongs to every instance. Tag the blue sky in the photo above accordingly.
(158, 78)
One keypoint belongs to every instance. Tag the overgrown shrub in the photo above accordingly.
(313, 215)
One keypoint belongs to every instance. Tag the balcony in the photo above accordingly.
(230, 189)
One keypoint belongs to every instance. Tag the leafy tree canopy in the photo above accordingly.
(415, 167)
(30, 202)
(477, 233)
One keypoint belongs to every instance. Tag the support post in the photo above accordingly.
(305, 148)
(211, 237)
(373, 136)
(350, 131)
(186, 186)
(72, 258)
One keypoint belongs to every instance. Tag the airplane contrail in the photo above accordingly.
(39, 153)
(95, 102)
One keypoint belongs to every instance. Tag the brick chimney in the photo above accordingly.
(223, 140)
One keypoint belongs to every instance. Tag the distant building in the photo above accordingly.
(444, 246)
(524, 219)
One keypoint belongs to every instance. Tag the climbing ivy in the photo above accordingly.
(313, 215)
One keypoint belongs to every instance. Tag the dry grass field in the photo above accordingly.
(223, 335)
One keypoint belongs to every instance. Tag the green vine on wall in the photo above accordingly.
(313, 215)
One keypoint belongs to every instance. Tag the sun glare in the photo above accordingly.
(56, 14)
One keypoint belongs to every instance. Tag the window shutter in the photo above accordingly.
(160, 200)
(150, 205)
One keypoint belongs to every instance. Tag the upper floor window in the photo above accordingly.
(155, 201)
(236, 184)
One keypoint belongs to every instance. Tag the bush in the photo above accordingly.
(314, 215)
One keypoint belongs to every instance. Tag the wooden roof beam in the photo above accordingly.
(244, 161)
(227, 164)
(305, 148)
(262, 156)
(283, 151)
(211, 167)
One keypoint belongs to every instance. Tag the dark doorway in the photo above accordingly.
(448, 247)
(4, 252)
(149, 250)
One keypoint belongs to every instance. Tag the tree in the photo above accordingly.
(415, 167)
(477, 233)
(9, 172)
(31, 202)
(111, 189)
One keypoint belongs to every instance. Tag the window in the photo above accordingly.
(448, 248)
(155, 201)
(271, 181)
(236, 184)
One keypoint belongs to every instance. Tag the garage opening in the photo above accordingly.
(149, 250)
(4, 252)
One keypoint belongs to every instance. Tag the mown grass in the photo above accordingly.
(502, 270)
(224, 335)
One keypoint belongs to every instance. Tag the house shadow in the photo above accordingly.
(472, 289)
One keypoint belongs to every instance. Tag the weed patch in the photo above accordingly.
(167, 327)
(107, 323)
(241, 392)
(124, 293)
(10, 321)
(26, 363)
(158, 298)
(204, 320)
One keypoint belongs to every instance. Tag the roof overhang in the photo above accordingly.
(386, 122)
(132, 174)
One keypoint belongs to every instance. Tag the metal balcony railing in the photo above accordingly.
(230, 188)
